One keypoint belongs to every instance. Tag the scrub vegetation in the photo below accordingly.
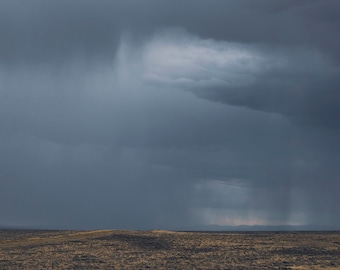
(22, 249)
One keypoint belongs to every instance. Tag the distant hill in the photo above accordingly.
(213, 228)
(248, 228)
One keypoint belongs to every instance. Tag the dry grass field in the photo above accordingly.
(168, 250)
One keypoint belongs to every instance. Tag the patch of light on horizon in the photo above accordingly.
(230, 204)
(233, 217)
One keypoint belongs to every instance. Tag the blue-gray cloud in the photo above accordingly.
(168, 114)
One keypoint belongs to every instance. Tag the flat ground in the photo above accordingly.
(168, 250)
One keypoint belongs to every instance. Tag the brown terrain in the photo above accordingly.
(22, 249)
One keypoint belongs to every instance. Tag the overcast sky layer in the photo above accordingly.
(169, 114)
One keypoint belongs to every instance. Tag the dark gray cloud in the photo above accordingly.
(306, 97)
(154, 114)
(41, 31)
(58, 31)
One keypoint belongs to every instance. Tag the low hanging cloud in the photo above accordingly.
(299, 83)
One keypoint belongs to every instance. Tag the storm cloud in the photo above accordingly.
(158, 114)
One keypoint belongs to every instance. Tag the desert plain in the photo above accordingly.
(119, 249)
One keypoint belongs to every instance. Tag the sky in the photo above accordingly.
(169, 114)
